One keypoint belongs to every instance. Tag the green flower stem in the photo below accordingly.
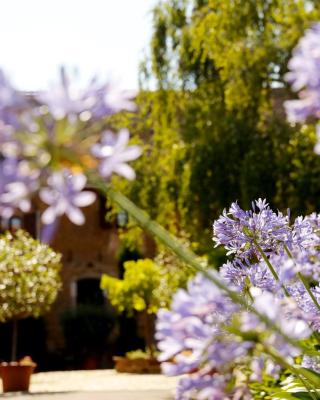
(304, 378)
(308, 382)
(270, 266)
(184, 253)
(306, 285)
(170, 241)
(304, 281)
(313, 391)
(191, 259)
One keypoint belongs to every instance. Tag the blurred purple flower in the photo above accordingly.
(304, 76)
(307, 105)
(48, 231)
(312, 363)
(202, 387)
(95, 101)
(65, 195)
(263, 364)
(17, 184)
(9, 146)
(31, 133)
(284, 313)
(304, 235)
(192, 340)
(12, 103)
(192, 321)
(110, 99)
(310, 311)
(304, 66)
(114, 154)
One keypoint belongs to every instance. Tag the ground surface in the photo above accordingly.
(96, 385)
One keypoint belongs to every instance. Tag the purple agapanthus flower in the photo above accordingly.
(310, 311)
(114, 153)
(110, 99)
(9, 145)
(65, 195)
(262, 364)
(235, 273)
(36, 146)
(304, 76)
(312, 363)
(202, 387)
(192, 340)
(240, 231)
(17, 183)
(304, 233)
(12, 103)
(194, 316)
(95, 101)
(305, 63)
(198, 336)
(243, 276)
(277, 310)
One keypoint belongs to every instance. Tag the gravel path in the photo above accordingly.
(97, 385)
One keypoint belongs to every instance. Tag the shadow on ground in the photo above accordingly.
(113, 395)
(24, 395)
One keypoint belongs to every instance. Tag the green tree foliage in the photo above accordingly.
(138, 290)
(29, 276)
(214, 130)
(144, 288)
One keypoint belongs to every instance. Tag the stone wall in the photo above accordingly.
(88, 251)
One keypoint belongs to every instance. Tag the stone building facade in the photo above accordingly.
(88, 251)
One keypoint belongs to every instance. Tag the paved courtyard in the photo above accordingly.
(96, 385)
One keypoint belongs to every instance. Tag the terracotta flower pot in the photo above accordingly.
(16, 377)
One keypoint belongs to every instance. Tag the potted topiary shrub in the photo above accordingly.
(29, 283)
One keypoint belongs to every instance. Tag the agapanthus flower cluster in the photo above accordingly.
(192, 340)
(213, 343)
(287, 267)
(241, 232)
(221, 347)
(304, 76)
(48, 140)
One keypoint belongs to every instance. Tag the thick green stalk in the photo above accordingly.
(304, 281)
(298, 372)
(192, 260)
(184, 253)
(306, 285)
(300, 276)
